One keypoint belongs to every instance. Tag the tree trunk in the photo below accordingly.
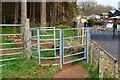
(4, 17)
(23, 12)
(30, 13)
(33, 14)
(63, 16)
(16, 15)
(52, 14)
(24, 27)
(43, 15)
(0, 13)
(57, 18)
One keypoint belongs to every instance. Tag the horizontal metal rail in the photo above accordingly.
(8, 59)
(74, 37)
(57, 57)
(10, 34)
(74, 60)
(11, 48)
(11, 25)
(34, 29)
(11, 43)
(43, 49)
(104, 51)
(42, 27)
(74, 46)
(41, 35)
(73, 54)
(11, 54)
(73, 29)
(49, 64)
(44, 58)
(45, 39)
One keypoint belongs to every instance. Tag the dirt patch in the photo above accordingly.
(7, 51)
(44, 44)
(71, 71)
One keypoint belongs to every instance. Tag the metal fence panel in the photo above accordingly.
(11, 45)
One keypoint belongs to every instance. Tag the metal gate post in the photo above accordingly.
(61, 48)
(86, 44)
(38, 44)
(115, 69)
(30, 42)
(54, 43)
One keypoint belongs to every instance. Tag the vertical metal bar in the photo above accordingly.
(115, 70)
(54, 42)
(92, 52)
(63, 44)
(1, 41)
(61, 47)
(86, 44)
(38, 43)
(30, 42)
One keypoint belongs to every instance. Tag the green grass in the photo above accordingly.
(93, 75)
(22, 69)
(9, 30)
(8, 46)
(44, 53)
(47, 53)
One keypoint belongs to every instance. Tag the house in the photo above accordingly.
(117, 13)
(111, 13)
(94, 16)
(108, 23)
(104, 15)
(114, 13)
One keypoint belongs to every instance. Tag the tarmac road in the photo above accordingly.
(105, 40)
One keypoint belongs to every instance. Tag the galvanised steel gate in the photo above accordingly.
(75, 50)
(59, 46)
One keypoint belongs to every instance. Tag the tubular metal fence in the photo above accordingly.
(58, 46)
(11, 45)
(47, 44)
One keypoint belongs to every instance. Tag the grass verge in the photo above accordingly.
(22, 69)
(93, 75)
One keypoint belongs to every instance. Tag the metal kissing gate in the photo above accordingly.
(59, 46)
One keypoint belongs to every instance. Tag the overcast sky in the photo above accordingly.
(113, 3)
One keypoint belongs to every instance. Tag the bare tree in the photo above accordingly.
(24, 30)
(23, 13)
(43, 15)
(16, 15)
(33, 13)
